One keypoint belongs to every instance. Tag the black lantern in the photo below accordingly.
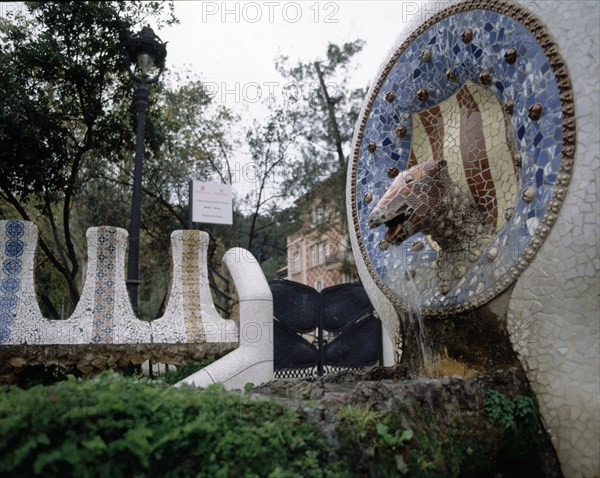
(147, 52)
(145, 55)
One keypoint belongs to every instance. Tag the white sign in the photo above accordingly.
(212, 203)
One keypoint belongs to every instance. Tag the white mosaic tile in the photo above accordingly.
(20, 318)
(190, 315)
(252, 361)
(104, 314)
(554, 309)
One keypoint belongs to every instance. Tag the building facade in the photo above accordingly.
(319, 254)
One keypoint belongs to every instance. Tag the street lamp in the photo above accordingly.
(145, 56)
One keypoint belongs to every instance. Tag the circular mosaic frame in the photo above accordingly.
(562, 176)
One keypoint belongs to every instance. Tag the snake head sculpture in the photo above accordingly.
(415, 202)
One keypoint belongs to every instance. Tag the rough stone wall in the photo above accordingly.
(17, 361)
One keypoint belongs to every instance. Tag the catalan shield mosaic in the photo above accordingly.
(481, 89)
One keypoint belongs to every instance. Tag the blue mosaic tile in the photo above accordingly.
(103, 324)
(15, 229)
(11, 267)
(10, 283)
(528, 81)
(13, 248)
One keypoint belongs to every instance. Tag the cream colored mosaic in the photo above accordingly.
(190, 272)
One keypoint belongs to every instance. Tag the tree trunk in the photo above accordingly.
(329, 103)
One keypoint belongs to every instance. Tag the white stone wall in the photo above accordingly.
(554, 312)
(190, 315)
(104, 314)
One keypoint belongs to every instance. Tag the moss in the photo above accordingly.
(502, 438)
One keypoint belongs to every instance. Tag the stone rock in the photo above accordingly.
(89, 359)
(18, 362)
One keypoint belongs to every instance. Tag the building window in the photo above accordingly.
(295, 259)
(320, 251)
(318, 215)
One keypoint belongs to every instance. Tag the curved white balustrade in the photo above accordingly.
(104, 314)
(252, 361)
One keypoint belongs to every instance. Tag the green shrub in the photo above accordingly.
(113, 426)
(183, 371)
(501, 438)
(525, 444)
(372, 442)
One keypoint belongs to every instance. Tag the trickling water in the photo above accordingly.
(412, 295)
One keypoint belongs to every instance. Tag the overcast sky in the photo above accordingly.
(232, 45)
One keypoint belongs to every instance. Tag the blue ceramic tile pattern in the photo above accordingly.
(529, 80)
(103, 326)
(10, 284)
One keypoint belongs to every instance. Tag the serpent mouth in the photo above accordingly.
(396, 233)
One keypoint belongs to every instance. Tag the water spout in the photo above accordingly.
(414, 316)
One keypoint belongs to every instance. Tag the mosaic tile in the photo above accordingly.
(103, 323)
(10, 283)
(190, 276)
(494, 153)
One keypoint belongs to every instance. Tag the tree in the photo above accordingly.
(199, 144)
(326, 117)
(66, 104)
(269, 146)
(326, 113)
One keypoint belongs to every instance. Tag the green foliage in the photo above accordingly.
(68, 123)
(62, 68)
(519, 420)
(112, 426)
(500, 409)
(115, 426)
(373, 440)
(409, 441)
(172, 377)
(326, 113)
(68, 119)
(509, 413)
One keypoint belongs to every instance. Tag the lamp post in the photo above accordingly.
(145, 55)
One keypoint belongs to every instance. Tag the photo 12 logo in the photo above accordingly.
(270, 12)
(270, 91)
(10, 9)
(423, 10)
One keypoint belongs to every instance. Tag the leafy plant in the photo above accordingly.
(174, 376)
(377, 443)
(519, 419)
(500, 409)
(509, 413)
(115, 426)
